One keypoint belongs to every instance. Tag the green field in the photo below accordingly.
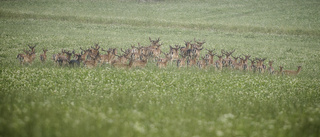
(46, 100)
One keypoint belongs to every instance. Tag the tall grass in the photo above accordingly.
(47, 100)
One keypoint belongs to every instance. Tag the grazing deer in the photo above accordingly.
(43, 56)
(292, 72)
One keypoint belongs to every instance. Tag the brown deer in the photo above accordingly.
(240, 65)
(84, 54)
(227, 61)
(43, 56)
(292, 72)
(260, 66)
(62, 58)
(162, 62)
(92, 62)
(181, 62)
(278, 72)
(184, 50)
(154, 43)
(25, 58)
(210, 56)
(253, 66)
(139, 63)
(191, 61)
(270, 68)
(219, 63)
(203, 62)
(106, 58)
(198, 44)
(174, 53)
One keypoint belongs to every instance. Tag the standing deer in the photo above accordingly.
(270, 68)
(219, 63)
(43, 56)
(181, 62)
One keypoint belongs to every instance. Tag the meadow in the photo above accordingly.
(47, 100)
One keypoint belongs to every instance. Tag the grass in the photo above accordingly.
(45, 100)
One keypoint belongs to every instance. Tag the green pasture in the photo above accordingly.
(42, 99)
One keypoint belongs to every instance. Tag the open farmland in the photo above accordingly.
(43, 99)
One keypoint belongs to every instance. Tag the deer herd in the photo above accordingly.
(186, 56)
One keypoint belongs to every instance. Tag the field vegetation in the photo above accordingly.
(44, 99)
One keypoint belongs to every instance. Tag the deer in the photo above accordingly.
(260, 66)
(162, 62)
(174, 53)
(253, 66)
(181, 62)
(106, 58)
(245, 62)
(94, 51)
(84, 55)
(280, 70)
(191, 61)
(75, 62)
(154, 43)
(210, 56)
(25, 58)
(43, 56)
(240, 65)
(93, 62)
(198, 44)
(227, 61)
(270, 68)
(155, 52)
(139, 63)
(202, 63)
(292, 72)
(196, 52)
(219, 63)
(121, 59)
(62, 59)
(33, 52)
(184, 50)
